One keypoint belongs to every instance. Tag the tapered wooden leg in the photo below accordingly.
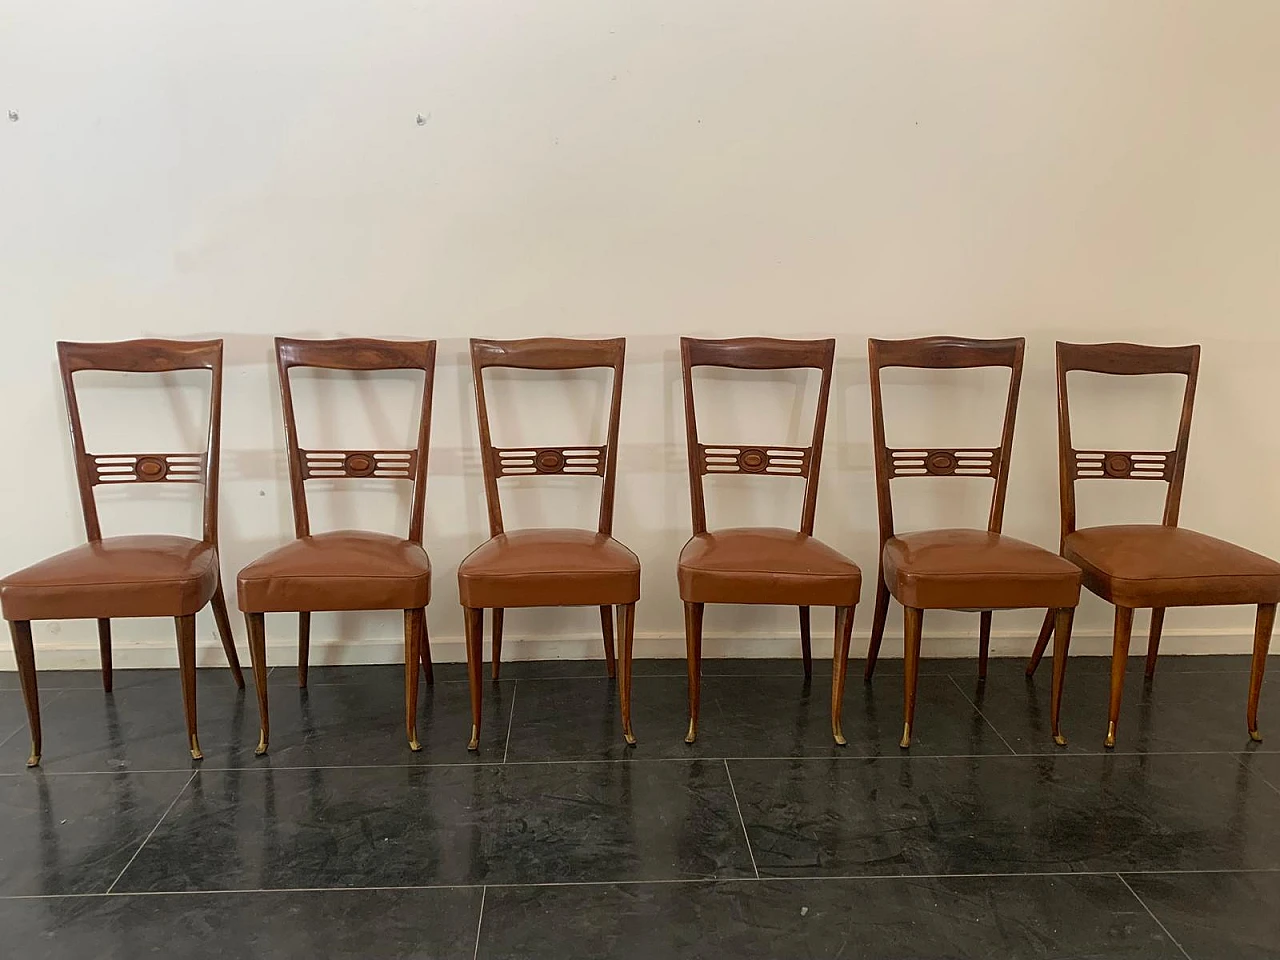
(877, 624)
(1061, 646)
(427, 670)
(1153, 640)
(984, 642)
(412, 656)
(104, 651)
(497, 641)
(1119, 660)
(627, 629)
(806, 644)
(1261, 644)
(256, 626)
(474, 623)
(693, 649)
(1042, 643)
(913, 623)
(24, 652)
(606, 631)
(226, 636)
(187, 666)
(839, 668)
(304, 647)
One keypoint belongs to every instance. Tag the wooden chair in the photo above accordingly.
(958, 569)
(549, 567)
(1152, 566)
(767, 565)
(346, 569)
(129, 576)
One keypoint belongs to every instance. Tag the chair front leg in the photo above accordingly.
(693, 650)
(304, 647)
(839, 668)
(256, 626)
(412, 656)
(1061, 646)
(104, 652)
(1119, 661)
(913, 625)
(984, 642)
(627, 630)
(806, 643)
(186, 628)
(24, 652)
(1261, 644)
(474, 623)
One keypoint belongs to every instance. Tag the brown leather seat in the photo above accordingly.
(763, 564)
(957, 569)
(976, 570)
(769, 565)
(1150, 565)
(346, 569)
(152, 575)
(549, 567)
(341, 570)
(134, 576)
(1147, 565)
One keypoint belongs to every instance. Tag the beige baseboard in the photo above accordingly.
(135, 654)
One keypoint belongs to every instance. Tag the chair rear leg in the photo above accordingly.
(984, 642)
(606, 630)
(226, 636)
(304, 647)
(256, 627)
(806, 644)
(24, 652)
(1061, 646)
(839, 668)
(693, 648)
(473, 618)
(1119, 660)
(412, 659)
(186, 627)
(627, 628)
(877, 624)
(427, 670)
(104, 651)
(1153, 640)
(1042, 643)
(1261, 644)
(497, 640)
(913, 624)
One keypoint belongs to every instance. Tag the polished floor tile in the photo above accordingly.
(336, 925)
(1216, 916)
(74, 834)
(925, 919)
(275, 829)
(1006, 815)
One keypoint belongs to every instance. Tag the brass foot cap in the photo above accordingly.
(1059, 739)
(905, 742)
(1255, 736)
(1109, 742)
(839, 739)
(475, 739)
(630, 738)
(692, 735)
(414, 745)
(33, 760)
(196, 754)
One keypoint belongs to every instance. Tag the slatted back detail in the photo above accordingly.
(357, 354)
(766, 460)
(111, 469)
(583, 460)
(1124, 360)
(943, 353)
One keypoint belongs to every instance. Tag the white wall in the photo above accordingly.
(1082, 170)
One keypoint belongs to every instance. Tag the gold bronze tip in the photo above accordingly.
(475, 738)
(262, 744)
(414, 745)
(1059, 739)
(906, 736)
(34, 759)
(1254, 735)
(629, 737)
(838, 736)
(195, 749)
(692, 735)
(1111, 735)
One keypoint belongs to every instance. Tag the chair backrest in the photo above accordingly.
(548, 353)
(357, 354)
(1125, 360)
(769, 460)
(144, 356)
(943, 353)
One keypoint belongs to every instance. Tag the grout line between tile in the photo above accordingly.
(1151, 914)
(167, 809)
(479, 922)
(968, 700)
(511, 719)
(745, 835)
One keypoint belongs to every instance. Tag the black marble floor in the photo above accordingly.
(556, 840)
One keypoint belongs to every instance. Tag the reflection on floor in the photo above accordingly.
(556, 840)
